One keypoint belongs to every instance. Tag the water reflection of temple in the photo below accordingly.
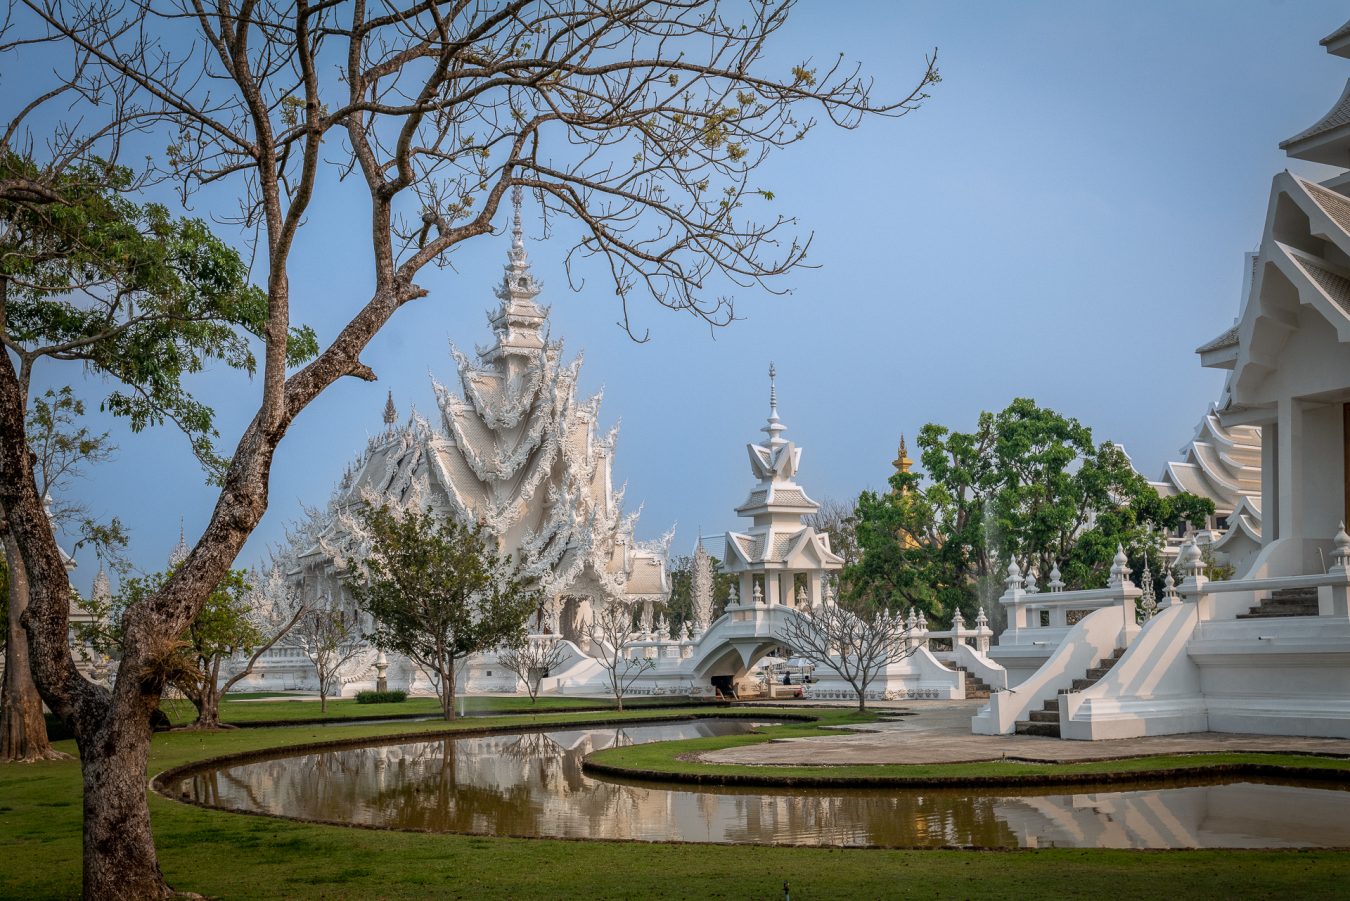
(532, 784)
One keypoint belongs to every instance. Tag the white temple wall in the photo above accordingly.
(1323, 469)
(1152, 690)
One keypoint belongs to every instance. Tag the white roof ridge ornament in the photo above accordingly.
(774, 428)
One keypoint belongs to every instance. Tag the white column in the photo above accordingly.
(1270, 481)
(770, 588)
(813, 587)
(1291, 467)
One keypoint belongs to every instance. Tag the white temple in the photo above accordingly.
(1268, 651)
(1222, 463)
(514, 449)
(779, 556)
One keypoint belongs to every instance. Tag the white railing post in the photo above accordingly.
(982, 632)
(1193, 580)
(1013, 600)
(1340, 566)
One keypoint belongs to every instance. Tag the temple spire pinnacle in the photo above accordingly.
(902, 462)
(390, 411)
(517, 229)
(775, 426)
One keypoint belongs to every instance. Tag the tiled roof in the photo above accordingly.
(1334, 204)
(1333, 284)
(790, 497)
(1336, 35)
(644, 579)
(1227, 339)
(1338, 116)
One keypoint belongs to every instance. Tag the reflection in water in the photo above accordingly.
(532, 784)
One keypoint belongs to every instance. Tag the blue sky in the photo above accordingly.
(1064, 220)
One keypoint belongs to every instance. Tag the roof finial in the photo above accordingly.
(902, 462)
(517, 230)
(775, 426)
(390, 412)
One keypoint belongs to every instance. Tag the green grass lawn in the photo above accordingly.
(226, 855)
(238, 710)
(670, 759)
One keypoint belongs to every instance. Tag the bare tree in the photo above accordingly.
(644, 122)
(330, 639)
(858, 647)
(837, 519)
(613, 633)
(532, 661)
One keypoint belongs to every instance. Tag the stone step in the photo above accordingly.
(976, 688)
(1052, 704)
(1027, 727)
(1285, 602)
(1044, 716)
(1080, 684)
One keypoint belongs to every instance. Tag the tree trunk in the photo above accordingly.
(119, 849)
(208, 703)
(23, 729)
(448, 692)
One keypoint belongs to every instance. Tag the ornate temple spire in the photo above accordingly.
(180, 550)
(775, 428)
(902, 462)
(390, 411)
(518, 320)
(102, 588)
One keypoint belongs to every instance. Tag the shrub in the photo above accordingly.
(381, 697)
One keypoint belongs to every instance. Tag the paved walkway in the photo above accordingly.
(939, 732)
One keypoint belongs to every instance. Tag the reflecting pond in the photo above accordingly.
(531, 784)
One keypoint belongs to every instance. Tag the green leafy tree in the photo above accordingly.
(439, 592)
(1028, 484)
(229, 626)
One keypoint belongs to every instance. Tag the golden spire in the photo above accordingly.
(902, 462)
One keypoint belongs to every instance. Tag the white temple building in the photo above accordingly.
(1269, 651)
(515, 449)
(779, 556)
(1223, 464)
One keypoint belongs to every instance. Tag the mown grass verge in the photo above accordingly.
(238, 711)
(676, 761)
(224, 855)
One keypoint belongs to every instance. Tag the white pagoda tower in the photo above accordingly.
(779, 559)
(515, 450)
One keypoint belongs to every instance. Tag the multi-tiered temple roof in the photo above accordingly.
(778, 538)
(516, 450)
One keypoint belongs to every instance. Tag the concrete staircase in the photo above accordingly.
(1045, 721)
(976, 688)
(1285, 602)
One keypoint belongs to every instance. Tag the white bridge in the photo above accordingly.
(739, 639)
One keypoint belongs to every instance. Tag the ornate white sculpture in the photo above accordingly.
(702, 587)
(517, 452)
